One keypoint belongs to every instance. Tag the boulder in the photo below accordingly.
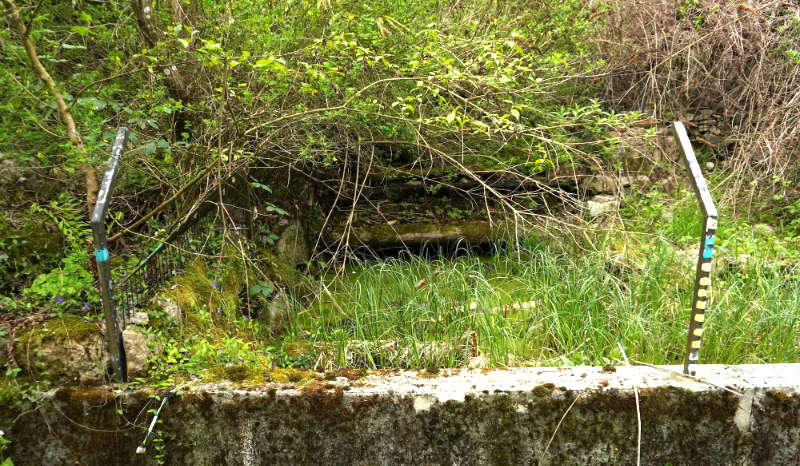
(292, 247)
(23, 181)
(601, 184)
(169, 307)
(763, 228)
(275, 313)
(600, 205)
(69, 349)
(137, 351)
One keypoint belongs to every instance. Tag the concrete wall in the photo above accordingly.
(459, 417)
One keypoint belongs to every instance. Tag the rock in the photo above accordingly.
(404, 234)
(459, 417)
(137, 352)
(32, 244)
(478, 362)
(292, 247)
(170, 307)
(139, 318)
(712, 138)
(639, 150)
(276, 312)
(763, 228)
(69, 349)
(601, 204)
(21, 180)
(638, 180)
(686, 256)
(600, 184)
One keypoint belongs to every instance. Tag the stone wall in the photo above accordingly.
(742, 415)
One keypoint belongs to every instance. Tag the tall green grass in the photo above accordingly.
(584, 303)
(631, 284)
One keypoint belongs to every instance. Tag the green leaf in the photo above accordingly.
(451, 116)
(261, 288)
(149, 148)
(82, 30)
(257, 185)
(515, 113)
(93, 103)
(276, 209)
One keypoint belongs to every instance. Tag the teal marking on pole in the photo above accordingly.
(101, 254)
(708, 251)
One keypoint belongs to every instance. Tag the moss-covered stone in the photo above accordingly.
(69, 349)
(290, 375)
(284, 273)
(470, 231)
(292, 247)
(236, 373)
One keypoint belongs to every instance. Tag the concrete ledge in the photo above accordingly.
(746, 414)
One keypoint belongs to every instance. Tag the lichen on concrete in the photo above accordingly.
(458, 417)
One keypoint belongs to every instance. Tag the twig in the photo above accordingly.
(547, 447)
(638, 413)
(160, 206)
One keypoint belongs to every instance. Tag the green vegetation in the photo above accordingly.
(547, 301)
(315, 130)
(633, 287)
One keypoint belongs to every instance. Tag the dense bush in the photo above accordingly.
(741, 61)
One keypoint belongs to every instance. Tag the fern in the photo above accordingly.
(68, 215)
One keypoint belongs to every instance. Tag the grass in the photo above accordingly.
(547, 301)
(580, 300)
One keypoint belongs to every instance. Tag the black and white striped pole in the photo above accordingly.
(702, 281)
(114, 344)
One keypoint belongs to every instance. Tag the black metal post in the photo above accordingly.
(114, 344)
(702, 281)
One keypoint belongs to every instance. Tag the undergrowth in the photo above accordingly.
(546, 301)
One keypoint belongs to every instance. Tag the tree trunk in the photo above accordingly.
(89, 173)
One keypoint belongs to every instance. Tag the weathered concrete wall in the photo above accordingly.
(460, 417)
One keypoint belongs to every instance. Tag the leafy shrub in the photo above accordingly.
(69, 286)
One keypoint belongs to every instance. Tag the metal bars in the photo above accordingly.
(165, 261)
(114, 344)
(702, 281)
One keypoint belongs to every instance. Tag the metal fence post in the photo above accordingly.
(114, 344)
(702, 281)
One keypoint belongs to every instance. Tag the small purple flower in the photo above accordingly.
(246, 317)
(219, 310)
(86, 307)
(214, 284)
(60, 299)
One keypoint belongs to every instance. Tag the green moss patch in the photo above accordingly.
(64, 329)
